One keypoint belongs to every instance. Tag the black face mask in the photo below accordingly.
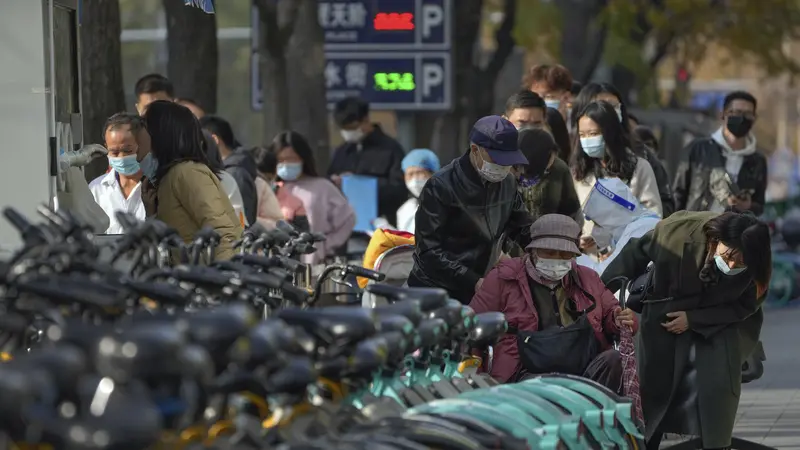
(739, 126)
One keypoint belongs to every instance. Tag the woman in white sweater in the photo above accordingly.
(602, 151)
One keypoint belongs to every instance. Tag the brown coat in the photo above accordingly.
(191, 197)
(724, 325)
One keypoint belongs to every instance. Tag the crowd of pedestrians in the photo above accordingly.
(553, 199)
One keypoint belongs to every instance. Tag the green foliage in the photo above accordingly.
(748, 29)
(538, 26)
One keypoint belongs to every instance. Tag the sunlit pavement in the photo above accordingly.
(769, 409)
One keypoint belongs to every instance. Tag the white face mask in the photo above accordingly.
(594, 146)
(553, 269)
(415, 186)
(352, 136)
(725, 269)
(493, 173)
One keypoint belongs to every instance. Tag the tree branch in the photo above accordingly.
(505, 41)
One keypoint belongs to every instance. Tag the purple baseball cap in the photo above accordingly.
(499, 137)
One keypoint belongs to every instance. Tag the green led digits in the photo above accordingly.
(394, 81)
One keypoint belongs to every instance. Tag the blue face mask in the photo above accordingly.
(149, 166)
(290, 171)
(723, 267)
(125, 165)
(594, 146)
(552, 103)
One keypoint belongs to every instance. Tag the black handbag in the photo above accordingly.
(568, 349)
(638, 290)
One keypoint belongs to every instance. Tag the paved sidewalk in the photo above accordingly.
(769, 409)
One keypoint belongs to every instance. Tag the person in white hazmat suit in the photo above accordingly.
(612, 206)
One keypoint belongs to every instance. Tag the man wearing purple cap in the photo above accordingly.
(465, 208)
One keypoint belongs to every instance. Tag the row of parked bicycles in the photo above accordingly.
(149, 343)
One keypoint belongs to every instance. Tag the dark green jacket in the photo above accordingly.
(724, 325)
(554, 194)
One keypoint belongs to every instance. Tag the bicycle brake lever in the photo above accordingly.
(340, 281)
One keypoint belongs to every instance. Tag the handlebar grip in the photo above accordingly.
(16, 219)
(290, 264)
(286, 227)
(295, 294)
(365, 273)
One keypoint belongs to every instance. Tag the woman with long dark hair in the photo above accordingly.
(189, 194)
(607, 92)
(700, 318)
(558, 128)
(327, 209)
(602, 150)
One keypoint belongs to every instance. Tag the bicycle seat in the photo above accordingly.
(64, 363)
(269, 340)
(409, 309)
(82, 335)
(13, 323)
(200, 275)
(489, 327)
(397, 345)
(368, 357)
(293, 378)
(75, 289)
(216, 330)
(429, 298)
(162, 293)
(399, 324)
(17, 391)
(336, 326)
(452, 315)
(147, 350)
(431, 332)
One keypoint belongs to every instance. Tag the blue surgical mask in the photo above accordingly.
(594, 146)
(552, 103)
(290, 171)
(124, 165)
(149, 166)
(723, 267)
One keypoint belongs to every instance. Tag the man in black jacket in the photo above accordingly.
(238, 163)
(465, 208)
(725, 170)
(369, 151)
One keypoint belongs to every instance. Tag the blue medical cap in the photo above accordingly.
(421, 157)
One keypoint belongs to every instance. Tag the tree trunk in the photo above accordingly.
(101, 73)
(448, 138)
(193, 53)
(473, 85)
(276, 25)
(308, 113)
(583, 38)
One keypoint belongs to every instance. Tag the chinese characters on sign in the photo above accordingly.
(392, 53)
(396, 81)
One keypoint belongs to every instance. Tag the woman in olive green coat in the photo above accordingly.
(700, 320)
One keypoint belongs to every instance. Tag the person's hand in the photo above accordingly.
(678, 324)
(337, 180)
(624, 318)
(149, 197)
(587, 243)
(478, 284)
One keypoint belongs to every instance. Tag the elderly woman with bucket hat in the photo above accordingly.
(561, 316)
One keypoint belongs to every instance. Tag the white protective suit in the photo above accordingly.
(612, 206)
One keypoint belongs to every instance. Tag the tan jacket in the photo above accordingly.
(190, 197)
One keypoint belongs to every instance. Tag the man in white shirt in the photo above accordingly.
(120, 188)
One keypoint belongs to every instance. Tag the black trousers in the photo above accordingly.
(605, 368)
